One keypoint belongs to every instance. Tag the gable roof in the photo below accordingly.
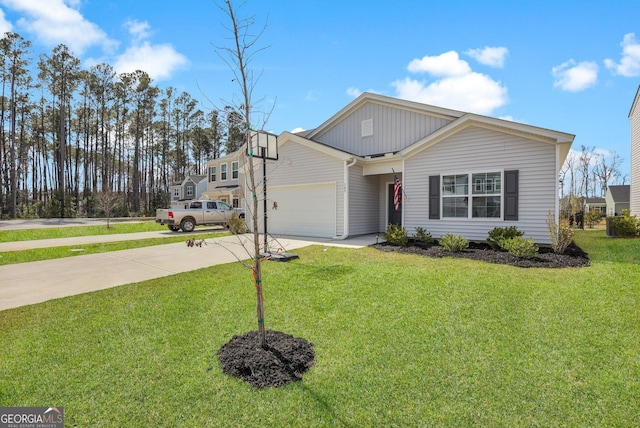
(562, 139)
(459, 121)
(388, 101)
(620, 193)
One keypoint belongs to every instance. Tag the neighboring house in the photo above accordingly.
(461, 173)
(617, 198)
(595, 204)
(191, 188)
(634, 118)
(223, 181)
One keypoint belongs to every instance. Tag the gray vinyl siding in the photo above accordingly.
(478, 149)
(301, 165)
(635, 157)
(363, 202)
(393, 130)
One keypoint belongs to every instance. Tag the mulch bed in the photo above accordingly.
(284, 361)
(573, 256)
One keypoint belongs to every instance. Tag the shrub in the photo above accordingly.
(591, 218)
(396, 235)
(520, 247)
(561, 235)
(454, 243)
(626, 226)
(423, 236)
(498, 234)
(236, 224)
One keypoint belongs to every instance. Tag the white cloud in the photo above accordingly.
(5, 26)
(629, 65)
(159, 61)
(575, 77)
(354, 92)
(139, 30)
(456, 85)
(445, 65)
(473, 92)
(493, 57)
(54, 22)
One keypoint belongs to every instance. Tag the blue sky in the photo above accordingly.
(571, 66)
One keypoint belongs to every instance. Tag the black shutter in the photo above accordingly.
(434, 197)
(511, 195)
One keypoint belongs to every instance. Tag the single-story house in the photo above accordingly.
(617, 198)
(634, 119)
(461, 173)
(189, 189)
(224, 181)
(595, 204)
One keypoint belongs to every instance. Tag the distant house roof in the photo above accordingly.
(593, 201)
(620, 193)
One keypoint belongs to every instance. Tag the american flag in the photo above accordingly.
(397, 192)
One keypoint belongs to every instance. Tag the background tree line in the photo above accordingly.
(69, 135)
(587, 174)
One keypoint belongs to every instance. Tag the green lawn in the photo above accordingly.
(400, 340)
(36, 254)
(74, 231)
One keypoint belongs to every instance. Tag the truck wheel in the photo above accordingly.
(187, 225)
(173, 228)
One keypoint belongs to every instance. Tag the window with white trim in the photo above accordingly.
(212, 173)
(234, 170)
(483, 189)
(223, 172)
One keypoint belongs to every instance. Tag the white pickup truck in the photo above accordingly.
(199, 213)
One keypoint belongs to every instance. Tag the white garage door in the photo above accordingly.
(308, 210)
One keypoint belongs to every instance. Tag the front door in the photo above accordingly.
(394, 216)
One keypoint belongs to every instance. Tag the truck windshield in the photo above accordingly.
(223, 206)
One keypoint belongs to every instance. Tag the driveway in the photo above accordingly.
(35, 282)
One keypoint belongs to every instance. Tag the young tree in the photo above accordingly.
(106, 202)
(238, 58)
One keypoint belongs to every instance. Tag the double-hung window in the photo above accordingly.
(486, 195)
(475, 195)
(234, 170)
(212, 173)
(223, 172)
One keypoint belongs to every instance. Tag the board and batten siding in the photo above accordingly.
(478, 149)
(363, 202)
(393, 130)
(634, 118)
(300, 165)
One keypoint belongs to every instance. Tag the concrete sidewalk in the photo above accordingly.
(35, 282)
